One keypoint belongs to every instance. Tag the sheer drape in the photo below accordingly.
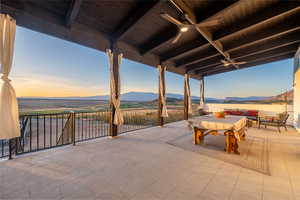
(115, 94)
(188, 92)
(9, 113)
(162, 70)
(202, 93)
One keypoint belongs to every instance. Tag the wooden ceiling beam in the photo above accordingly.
(258, 59)
(273, 41)
(185, 49)
(159, 40)
(72, 12)
(141, 10)
(270, 53)
(255, 63)
(264, 16)
(253, 50)
(199, 44)
(207, 35)
(281, 23)
(205, 64)
(53, 25)
(248, 40)
(252, 56)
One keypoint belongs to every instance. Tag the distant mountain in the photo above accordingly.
(250, 98)
(129, 96)
(281, 97)
(286, 96)
(150, 96)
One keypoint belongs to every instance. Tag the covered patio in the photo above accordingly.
(144, 165)
(159, 161)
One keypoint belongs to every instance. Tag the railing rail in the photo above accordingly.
(44, 131)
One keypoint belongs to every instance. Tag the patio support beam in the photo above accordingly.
(255, 59)
(265, 50)
(254, 23)
(113, 128)
(186, 100)
(158, 40)
(73, 12)
(194, 45)
(160, 95)
(202, 89)
(127, 25)
(259, 54)
(205, 33)
(249, 64)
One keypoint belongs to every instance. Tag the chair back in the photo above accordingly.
(283, 117)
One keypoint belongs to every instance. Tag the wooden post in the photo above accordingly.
(186, 101)
(201, 91)
(113, 129)
(160, 105)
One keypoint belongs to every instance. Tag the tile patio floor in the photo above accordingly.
(141, 166)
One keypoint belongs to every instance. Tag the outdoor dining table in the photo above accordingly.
(233, 127)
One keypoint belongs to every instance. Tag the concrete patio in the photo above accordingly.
(141, 165)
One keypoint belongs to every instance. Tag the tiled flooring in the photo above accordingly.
(141, 166)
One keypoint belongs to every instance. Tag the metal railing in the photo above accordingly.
(45, 131)
(138, 119)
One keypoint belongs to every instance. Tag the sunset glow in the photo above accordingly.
(50, 67)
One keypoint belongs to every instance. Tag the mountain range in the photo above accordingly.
(150, 96)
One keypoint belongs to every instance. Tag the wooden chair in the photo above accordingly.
(278, 122)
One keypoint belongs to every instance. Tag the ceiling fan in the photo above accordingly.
(227, 63)
(184, 26)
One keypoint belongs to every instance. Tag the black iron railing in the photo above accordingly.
(138, 119)
(45, 131)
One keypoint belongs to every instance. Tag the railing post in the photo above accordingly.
(186, 101)
(73, 117)
(10, 149)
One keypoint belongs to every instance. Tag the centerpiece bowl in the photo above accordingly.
(219, 114)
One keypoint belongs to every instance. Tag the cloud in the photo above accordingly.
(51, 86)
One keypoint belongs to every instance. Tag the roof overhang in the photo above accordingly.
(256, 32)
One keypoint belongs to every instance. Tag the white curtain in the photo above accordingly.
(162, 70)
(9, 113)
(202, 93)
(188, 91)
(115, 95)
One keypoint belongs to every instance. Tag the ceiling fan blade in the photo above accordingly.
(212, 22)
(240, 63)
(237, 63)
(171, 19)
(224, 61)
(177, 37)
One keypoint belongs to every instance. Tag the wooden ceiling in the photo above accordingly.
(254, 31)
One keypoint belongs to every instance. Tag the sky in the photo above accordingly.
(45, 66)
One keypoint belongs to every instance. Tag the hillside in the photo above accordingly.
(286, 96)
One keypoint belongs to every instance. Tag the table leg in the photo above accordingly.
(231, 143)
(227, 144)
(198, 136)
(235, 145)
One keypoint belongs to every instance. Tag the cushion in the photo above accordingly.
(228, 112)
(252, 113)
(237, 112)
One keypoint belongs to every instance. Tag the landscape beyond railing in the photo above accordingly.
(44, 131)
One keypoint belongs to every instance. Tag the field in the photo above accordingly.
(46, 106)
(42, 106)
